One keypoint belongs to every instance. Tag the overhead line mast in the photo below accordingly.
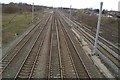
(98, 28)
(70, 12)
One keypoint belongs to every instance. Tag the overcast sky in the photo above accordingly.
(107, 4)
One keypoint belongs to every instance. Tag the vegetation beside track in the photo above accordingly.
(109, 25)
(13, 25)
(16, 18)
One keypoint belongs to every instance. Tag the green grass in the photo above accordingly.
(17, 25)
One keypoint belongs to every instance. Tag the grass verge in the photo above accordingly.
(13, 25)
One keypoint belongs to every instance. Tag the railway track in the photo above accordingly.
(14, 53)
(113, 60)
(110, 47)
(114, 49)
(105, 44)
(55, 66)
(49, 51)
(41, 68)
(69, 70)
(28, 65)
(103, 49)
(88, 69)
(26, 38)
(114, 57)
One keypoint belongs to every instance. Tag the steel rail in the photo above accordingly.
(59, 51)
(83, 32)
(68, 50)
(116, 59)
(110, 45)
(36, 26)
(75, 50)
(114, 49)
(30, 54)
(9, 61)
(58, 68)
(49, 66)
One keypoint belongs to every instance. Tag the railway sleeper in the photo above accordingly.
(27, 67)
(25, 71)
(22, 76)
(29, 61)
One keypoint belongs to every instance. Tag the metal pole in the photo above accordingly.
(70, 12)
(119, 6)
(1, 38)
(98, 27)
(33, 12)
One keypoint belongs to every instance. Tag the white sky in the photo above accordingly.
(107, 4)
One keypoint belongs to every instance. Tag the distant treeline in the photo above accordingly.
(19, 7)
